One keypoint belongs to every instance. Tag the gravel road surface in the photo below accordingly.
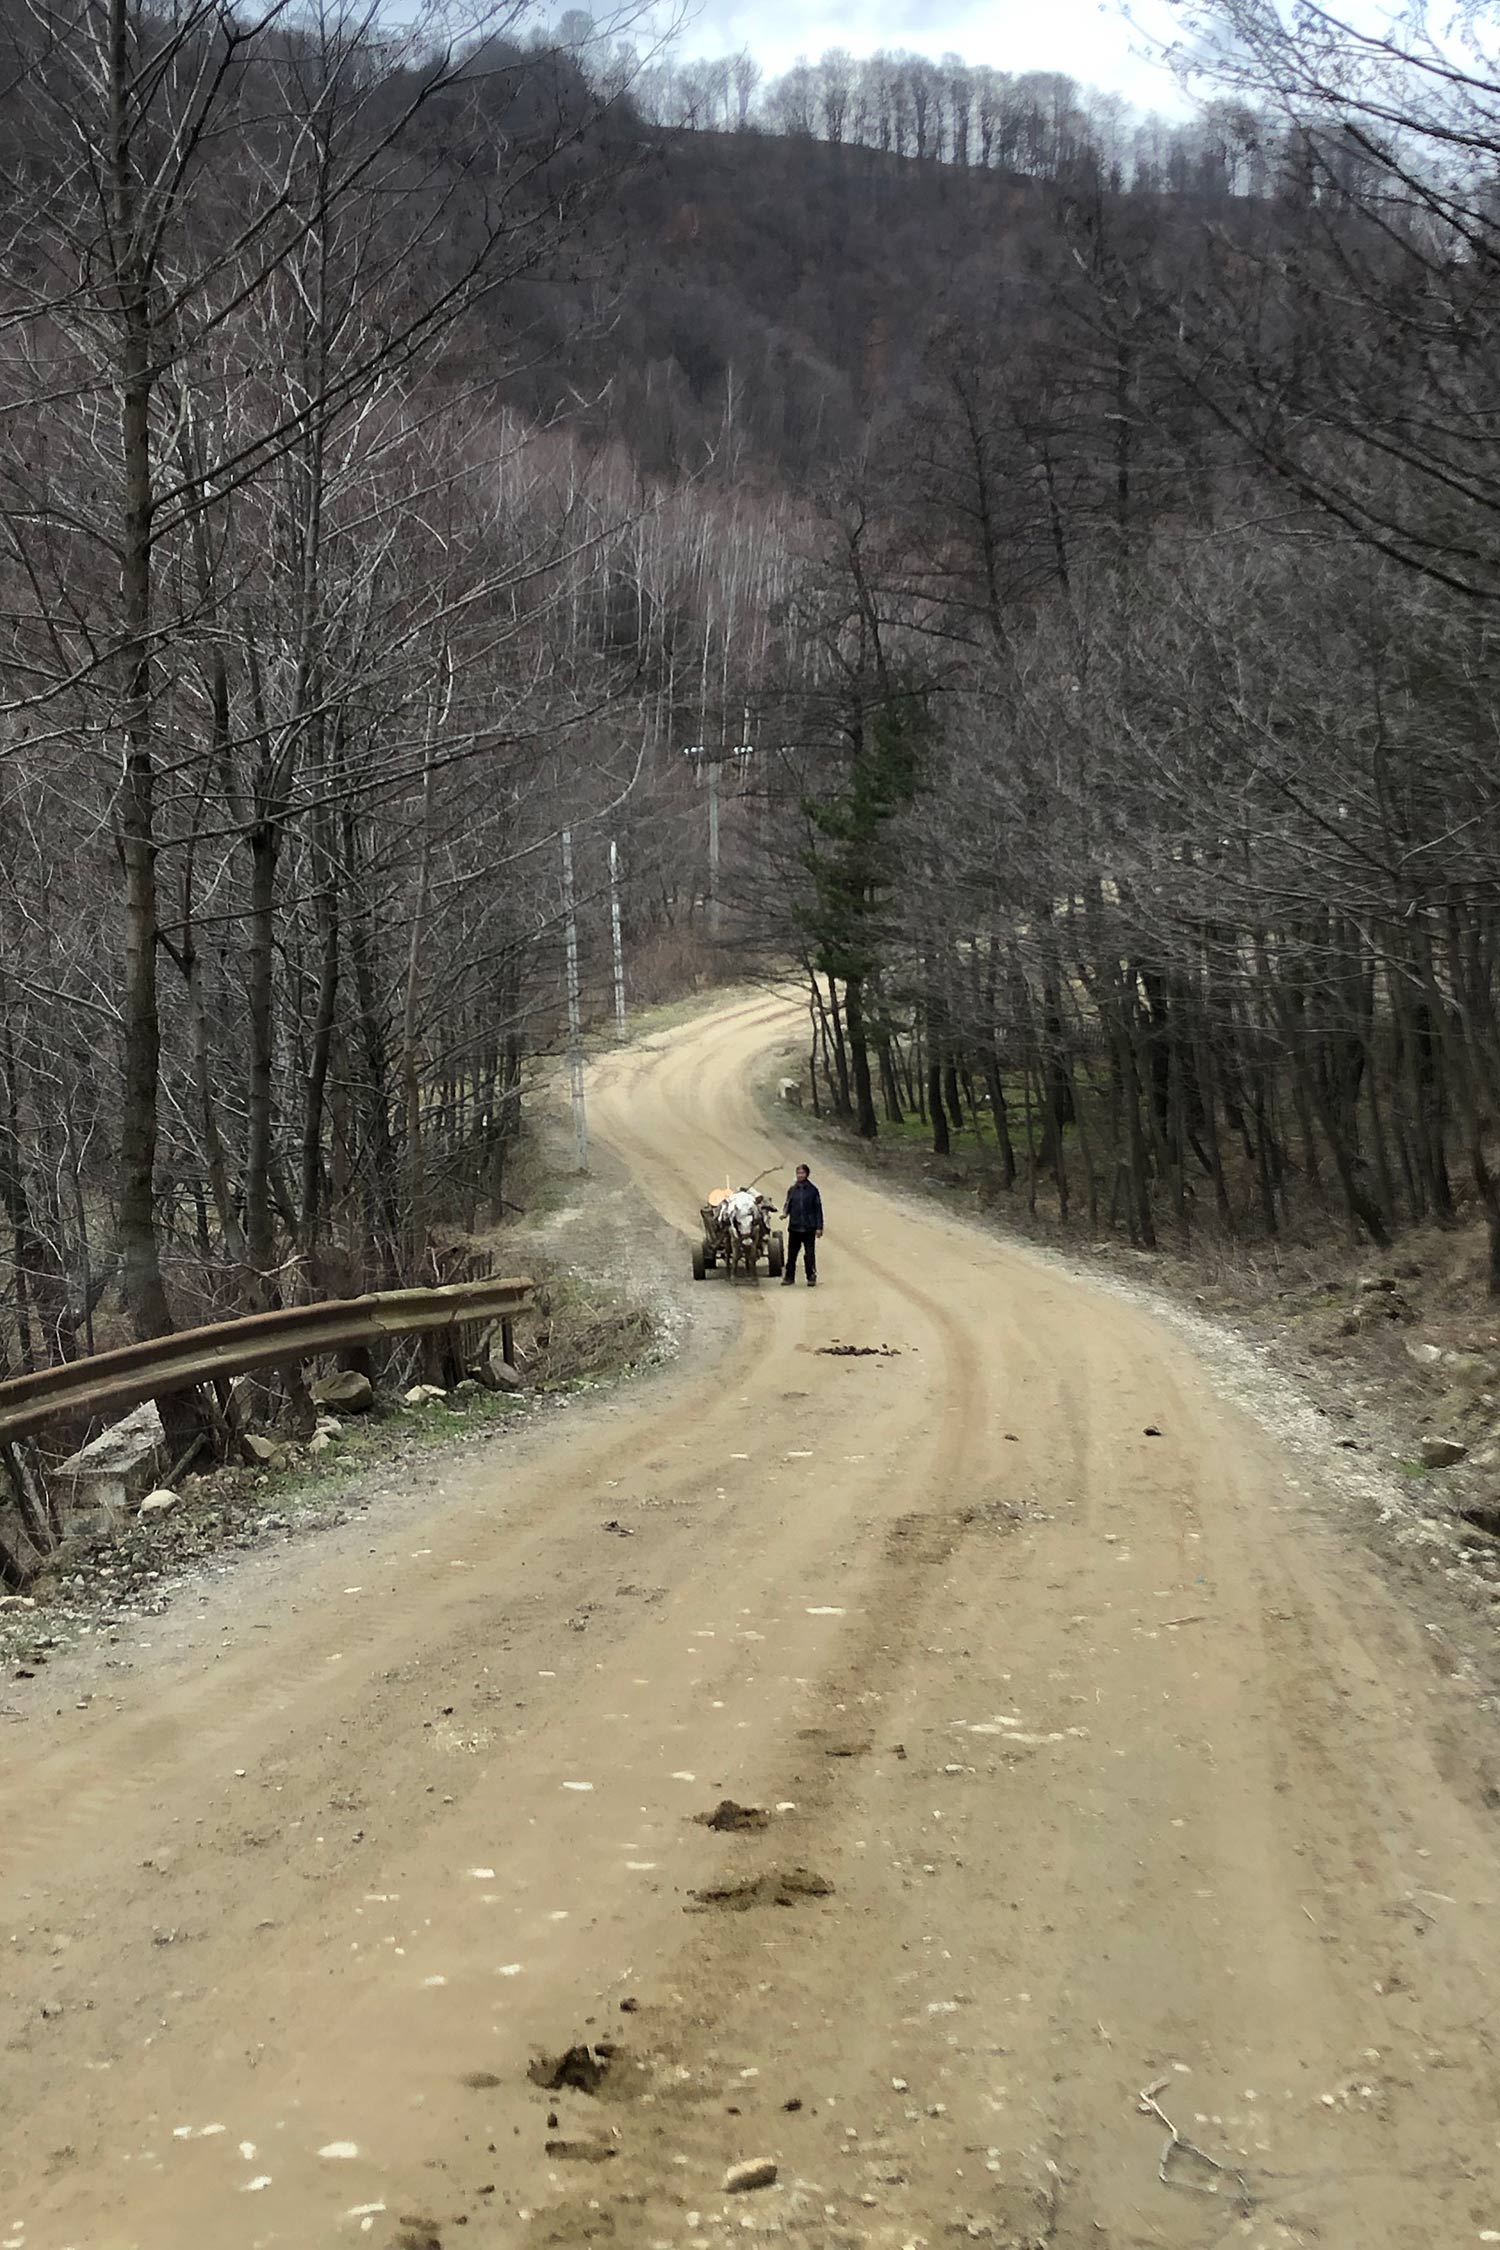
(1098, 1881)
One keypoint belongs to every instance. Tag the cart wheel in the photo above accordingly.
(710, 1255)
(775, 1256)
(700, 1267)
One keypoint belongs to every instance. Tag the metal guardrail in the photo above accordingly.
(110, 1381)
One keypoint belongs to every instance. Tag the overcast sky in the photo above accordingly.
(1090, 42)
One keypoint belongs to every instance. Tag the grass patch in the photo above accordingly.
(378, 1440)
(913, 1132)
(587, 1331)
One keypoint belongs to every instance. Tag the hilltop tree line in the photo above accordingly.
(1036, 124)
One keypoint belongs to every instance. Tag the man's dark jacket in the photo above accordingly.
(804, 1207)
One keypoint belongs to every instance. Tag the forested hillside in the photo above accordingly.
(1084, 572)
(1139, 808)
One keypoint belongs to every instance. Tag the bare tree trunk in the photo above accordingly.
(935, 1110)
(190, 962)
(260, 1231)
(411, 1067)
(834, 1020)
(326, 918)
(890, 1088)
(1001, 1118)
(1489, 1195)
(865, 1121)
(145, 1288)
(13, 1187)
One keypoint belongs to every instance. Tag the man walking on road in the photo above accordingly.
(803, 1213)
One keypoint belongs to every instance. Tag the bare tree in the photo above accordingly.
(171, 179)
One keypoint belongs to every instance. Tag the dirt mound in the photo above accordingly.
(734, 1819)
(581, 2070)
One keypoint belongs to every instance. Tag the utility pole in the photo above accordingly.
(614, 932)
(706, 764)
(713, 843)
(745, 752)
(575, 1009)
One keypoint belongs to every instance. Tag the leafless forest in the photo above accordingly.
(1074, 541)
(1146, 699)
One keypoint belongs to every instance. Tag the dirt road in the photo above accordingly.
(1093, 1761)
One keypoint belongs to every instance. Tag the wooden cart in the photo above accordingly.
(734, 1247)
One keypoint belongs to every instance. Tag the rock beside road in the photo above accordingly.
(161, 1502)
(1441, 1452)
(344, 1392)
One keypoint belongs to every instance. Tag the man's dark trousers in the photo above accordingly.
(804, 1239)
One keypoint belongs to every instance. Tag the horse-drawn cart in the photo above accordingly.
(737, 1233)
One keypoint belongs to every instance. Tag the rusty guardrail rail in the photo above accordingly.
(109, 1381)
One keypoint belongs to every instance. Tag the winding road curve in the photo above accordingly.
(1095, 1762)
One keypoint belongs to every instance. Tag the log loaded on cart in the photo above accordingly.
(737, 1233)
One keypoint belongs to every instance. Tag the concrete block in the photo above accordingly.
(107, 1479)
